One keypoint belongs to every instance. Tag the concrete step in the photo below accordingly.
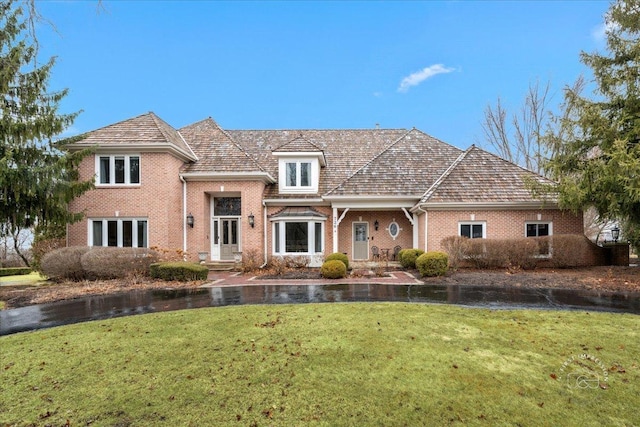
(220, 265)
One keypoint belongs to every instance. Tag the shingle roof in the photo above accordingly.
(345, 151)
(299, 144)
(216, 151)
(406, 167)
(482, 177)
(146, 129)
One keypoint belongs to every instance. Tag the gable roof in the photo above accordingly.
(144, 132)
(406, 167)
(482, 177)
(216, 150)
(345, 151)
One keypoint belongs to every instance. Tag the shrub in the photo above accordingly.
(277, 266)
(15, 271)
(569, 250)
(523, 253)
(294, 262)
(455, 247)
(117, 263)
(42, 247)
(432, 263)
(64, 263)
(340, 257)
(178, 270)
(333, 269)
(250, 261)
(409, 256)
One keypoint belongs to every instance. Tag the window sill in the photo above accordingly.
(117, 186)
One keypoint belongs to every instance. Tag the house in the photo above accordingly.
(219, 193)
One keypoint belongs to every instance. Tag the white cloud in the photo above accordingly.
(418, 77)
(599, 33)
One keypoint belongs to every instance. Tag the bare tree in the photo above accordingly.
(516, 137)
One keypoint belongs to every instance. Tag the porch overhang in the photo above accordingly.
(229, 176)
(372, 203)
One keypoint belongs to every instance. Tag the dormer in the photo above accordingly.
(299, 163)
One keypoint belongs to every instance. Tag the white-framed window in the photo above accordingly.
(540, 229)
(117, 169)
(298, 175)
(119, 232)
(473, 229)
(394, 229)
(298, 237)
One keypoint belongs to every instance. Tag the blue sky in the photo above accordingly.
(299, 65)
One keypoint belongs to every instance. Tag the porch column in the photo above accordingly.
(416, 231)
(335, 230)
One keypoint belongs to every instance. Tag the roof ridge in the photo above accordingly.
(427, 194)
(371, 160)
(238, 146)
(301, 137)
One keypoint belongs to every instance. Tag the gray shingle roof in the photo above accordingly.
(482, 177)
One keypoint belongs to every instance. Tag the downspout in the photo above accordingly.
(184, 216)
(264, 232)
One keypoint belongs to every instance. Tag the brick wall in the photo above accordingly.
(500, 224)
(158, 198)
(199, 197)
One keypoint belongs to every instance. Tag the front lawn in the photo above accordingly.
(327, 364)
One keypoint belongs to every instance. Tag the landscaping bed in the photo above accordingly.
(604, 278)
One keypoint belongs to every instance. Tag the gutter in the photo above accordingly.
(264, 232)
(184, 216)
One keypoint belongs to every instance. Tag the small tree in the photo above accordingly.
(37, 177)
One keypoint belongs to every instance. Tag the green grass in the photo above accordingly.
(325, 364)
(24, 279)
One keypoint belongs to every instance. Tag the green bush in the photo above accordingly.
(15, 271)
(409, 256)
(64, 263)
(340, 257)
(432, 263)
(178, 270)
(333, 269)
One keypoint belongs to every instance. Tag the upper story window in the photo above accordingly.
(118, 169)
(298, 175)
(473, 230)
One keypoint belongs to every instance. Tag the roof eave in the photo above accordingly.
(523, 205)
(136, 148)
(228, 176)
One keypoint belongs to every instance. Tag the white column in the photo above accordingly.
(335, 230)
(416, 234)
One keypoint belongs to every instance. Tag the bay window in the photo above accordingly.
(298, 237)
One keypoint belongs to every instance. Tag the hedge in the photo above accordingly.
(15, 271)
(178, 270)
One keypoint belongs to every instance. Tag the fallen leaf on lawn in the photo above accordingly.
(554, 376)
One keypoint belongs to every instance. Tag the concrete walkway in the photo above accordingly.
(230, 278)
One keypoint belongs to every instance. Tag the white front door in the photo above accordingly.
(225, 238)
(360, 240)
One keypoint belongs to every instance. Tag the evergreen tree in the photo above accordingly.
(38, 178)
(596, 145)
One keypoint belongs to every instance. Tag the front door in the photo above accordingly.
(360, 240)
(228, 238)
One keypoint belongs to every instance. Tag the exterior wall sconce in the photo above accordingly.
(615, 233)
(190, 220)
(376, 224)
(252, 220)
